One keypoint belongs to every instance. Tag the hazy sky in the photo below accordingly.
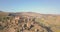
(40, 6)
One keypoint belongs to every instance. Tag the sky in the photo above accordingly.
(39, 6)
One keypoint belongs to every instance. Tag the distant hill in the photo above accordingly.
(1, 11)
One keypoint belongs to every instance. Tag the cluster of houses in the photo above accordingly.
(27, 24)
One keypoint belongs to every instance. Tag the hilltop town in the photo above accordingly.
(29, 22)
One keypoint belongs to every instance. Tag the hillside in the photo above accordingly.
(29, 22)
